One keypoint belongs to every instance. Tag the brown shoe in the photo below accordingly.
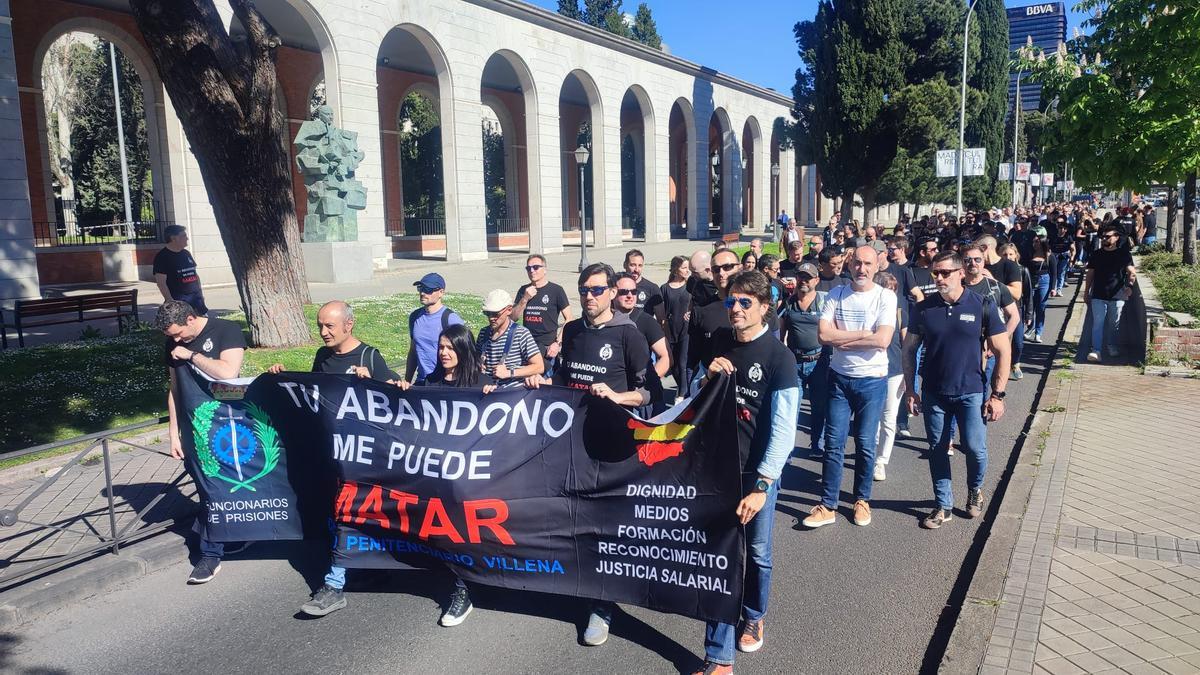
(751, 639)
(711, 668)
(862, 513)
(820, 516)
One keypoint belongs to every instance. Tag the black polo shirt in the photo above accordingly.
(953, 336)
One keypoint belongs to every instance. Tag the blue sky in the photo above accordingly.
(749, 39)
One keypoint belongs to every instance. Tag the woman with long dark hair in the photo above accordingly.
(677, 306)
(1041, 266)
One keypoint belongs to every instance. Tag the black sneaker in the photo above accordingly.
(974, 502)
(934, 520)
(326, 600)
(204, 570)
(457, 609)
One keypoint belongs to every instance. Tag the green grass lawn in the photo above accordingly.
(1178, 285)
(60, 391)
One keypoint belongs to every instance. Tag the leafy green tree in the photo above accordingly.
(990, 80)
(644, 29)
(421, 158)
(853, 61)
(1127, 115)
(495, 189)
(570, 9)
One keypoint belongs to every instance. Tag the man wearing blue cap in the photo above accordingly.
(425, 326)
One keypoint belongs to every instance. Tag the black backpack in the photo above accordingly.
(412, 319)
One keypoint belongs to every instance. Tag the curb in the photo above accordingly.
(91, 577)
(977, 615)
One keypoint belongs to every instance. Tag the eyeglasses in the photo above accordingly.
(942, 274)
(623, 292)
(427, 289)
(930, 250)
(727, 267)
(594, 291)
(972, 259)
(744, 302)
(533, 268)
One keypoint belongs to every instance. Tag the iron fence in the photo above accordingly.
(416, 227)
(107, 539)
(507, 225)
(571, 224)
(58, 234)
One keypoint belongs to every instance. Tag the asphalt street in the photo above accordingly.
(844, 598)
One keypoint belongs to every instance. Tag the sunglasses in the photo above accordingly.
(973, 259)
(427, 289)
(594, 291)
(533, 268)
(623, 292)
(942, 274)
(727, 267)
(492, 315)
(744, 302)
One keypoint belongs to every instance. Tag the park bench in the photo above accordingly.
(731, 238)
(80, 308)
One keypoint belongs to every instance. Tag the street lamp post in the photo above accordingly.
(962, 107)
(1016, 131)
(778, 198)
(716, 177)
(581, 158)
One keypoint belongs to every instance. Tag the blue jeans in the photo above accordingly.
(861, 398)
(1064, 266)
(1041, 295)
(967, 410)
(814, 386)
(1106, 321)
(988, 369)
(719, 637)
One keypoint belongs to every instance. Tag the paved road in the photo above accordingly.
(845, 599)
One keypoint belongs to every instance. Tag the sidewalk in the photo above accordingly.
(1105, 572)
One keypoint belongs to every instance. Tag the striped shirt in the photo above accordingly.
(515, 348)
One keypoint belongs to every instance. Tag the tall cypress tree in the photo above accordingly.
(990, 79)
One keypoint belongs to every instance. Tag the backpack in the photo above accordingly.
(416, 313)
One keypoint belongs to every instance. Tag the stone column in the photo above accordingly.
(18, 259)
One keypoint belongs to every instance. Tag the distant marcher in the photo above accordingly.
(425, 324)
(1107, 284)
(175, 271)
(544, 309)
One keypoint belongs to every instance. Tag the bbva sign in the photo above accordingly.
(1037, 10)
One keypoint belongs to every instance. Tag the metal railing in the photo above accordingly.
(416, 227)
(57, 234)
(110, 541)
(572, 224)
(507, 225)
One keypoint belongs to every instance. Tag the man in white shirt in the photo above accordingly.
(858, 321)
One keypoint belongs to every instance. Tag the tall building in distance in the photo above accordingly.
(1046, 23)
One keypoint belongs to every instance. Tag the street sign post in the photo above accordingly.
(974, 162)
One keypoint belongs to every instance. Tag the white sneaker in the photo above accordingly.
(880, 471)
(1093, 357)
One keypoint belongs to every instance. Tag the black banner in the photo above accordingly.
(550, 490)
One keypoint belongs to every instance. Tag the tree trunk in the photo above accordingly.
(223, 95)
(1172, 213)
(868, 197)
(847, 212)
(1189, 219)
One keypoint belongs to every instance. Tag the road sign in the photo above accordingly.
(974, 162)
(1005, 171)
(1023, 169)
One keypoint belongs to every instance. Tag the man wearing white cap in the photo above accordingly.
(509, 352)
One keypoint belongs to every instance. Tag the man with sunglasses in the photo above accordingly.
(540, 303)
(627, 294)
(508, 351)
(425, 326)
(830, 264)
(768, 399)
(1107, 284)
(800, 316)
(604, 353)
(649, 296)
(975, 280)
(953, 325)
(709, 318)
(857, 321)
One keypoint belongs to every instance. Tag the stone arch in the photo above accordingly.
(527, 160)
(752, 171)
(596, 161)
(681, 166)
(442, 87)
(153, 97)
(642, 136)
(720, 130)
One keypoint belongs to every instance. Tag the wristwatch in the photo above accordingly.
(999, 395)
(761, 485)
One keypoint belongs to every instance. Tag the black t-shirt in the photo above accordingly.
(905, 282)
(1005, 271)
(326, 361)
(677, 302)
(924, 279)
(649, 297)
(652, 331)
(762, 367)
(217, 336)
(180, 268)
(991, 289)
(953, 337)
(895, 350)
(1109, 272)
(615, 354)
(438, 379)
(787, 271)
(826, 285)
(706, 320)
(800, 326)
(541, 313)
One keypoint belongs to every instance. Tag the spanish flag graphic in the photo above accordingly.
(658, 442)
